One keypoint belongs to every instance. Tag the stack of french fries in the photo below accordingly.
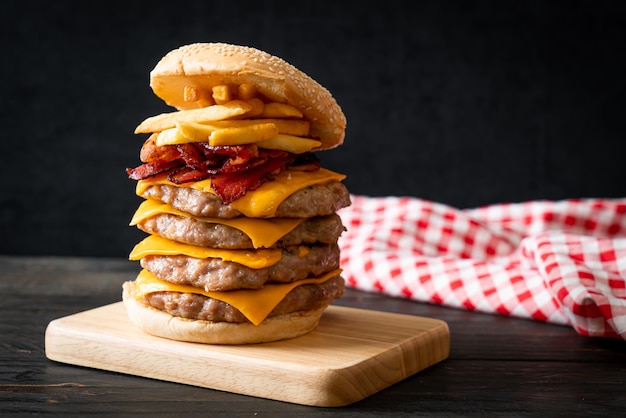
(232, 116)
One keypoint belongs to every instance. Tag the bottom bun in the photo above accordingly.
(162, 324)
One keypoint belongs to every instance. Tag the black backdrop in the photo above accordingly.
(466, 103)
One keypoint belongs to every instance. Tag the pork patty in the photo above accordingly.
(194, 306)
(213, 274)
(317, 200)
(321, 229)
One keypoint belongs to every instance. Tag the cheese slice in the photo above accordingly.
(157, 245)
(254, 304)
(262, 202)
(263, 232)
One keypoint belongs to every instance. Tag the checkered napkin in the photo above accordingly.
(561, 262)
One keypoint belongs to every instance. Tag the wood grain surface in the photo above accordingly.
(352, 354)
(498, 366)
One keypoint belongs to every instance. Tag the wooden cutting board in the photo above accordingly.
(352, 354)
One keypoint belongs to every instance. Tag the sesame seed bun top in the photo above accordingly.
(204, 65)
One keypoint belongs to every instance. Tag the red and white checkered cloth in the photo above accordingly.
(561, 262)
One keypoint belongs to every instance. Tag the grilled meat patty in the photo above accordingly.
(212, 274)
(317, 200)
(322, 229)
(194, 306)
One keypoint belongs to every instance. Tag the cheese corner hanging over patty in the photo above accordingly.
(254, 304)
(263, 232)
(156, 245)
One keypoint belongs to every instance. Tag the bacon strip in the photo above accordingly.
(234, 185)
(186, 175)
(150, 152)
(152, 169)
(233, 170)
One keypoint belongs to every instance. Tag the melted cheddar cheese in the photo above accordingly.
(156, 245)
(262, 202)
(254, 304)
(264, 232)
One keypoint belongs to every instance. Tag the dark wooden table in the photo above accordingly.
(497, 366)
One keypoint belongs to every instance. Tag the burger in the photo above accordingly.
(240, 216)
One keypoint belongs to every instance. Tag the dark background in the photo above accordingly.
(466, 103)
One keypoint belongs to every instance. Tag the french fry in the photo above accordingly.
(243, 135)
(297, 127)
(246, 91)
(236, 132)
(191, 94)
(197, 95)
(222, 94)
(289, 143)
(280, 110)
(169, 137)
(199, 132)
(257, 107)
(164, 121)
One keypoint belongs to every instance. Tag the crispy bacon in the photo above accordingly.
(234, 185)
(186, 174)
(152, 169)
(233, 170)
(241, 164)
(192, 155)
(150, 152)
(234, 151)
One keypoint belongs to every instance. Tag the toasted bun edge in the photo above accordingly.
(205, 65)
(162, 324)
